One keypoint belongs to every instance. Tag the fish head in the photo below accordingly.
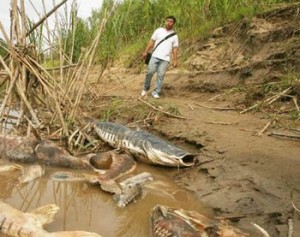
(167, 221)
(168, 154)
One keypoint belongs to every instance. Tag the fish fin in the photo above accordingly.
(44, 214)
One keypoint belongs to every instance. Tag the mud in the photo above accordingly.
(86, 207)
(245, 174)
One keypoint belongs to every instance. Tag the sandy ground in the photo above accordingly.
(243, 175)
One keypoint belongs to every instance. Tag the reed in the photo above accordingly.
(134, 21)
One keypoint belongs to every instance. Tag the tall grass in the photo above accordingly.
(133, 22)
(3, 45)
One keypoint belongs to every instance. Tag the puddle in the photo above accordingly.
(86, 207)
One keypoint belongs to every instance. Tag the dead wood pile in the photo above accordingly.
(47, 102)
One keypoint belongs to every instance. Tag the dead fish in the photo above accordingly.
(16, 223)
(144, 146)
(69, 176)
(131, 188)
(128, 195)
(50, 153)
(166, 221)
(10, 167)
(18, 148)
(140, 179)
(31, 173)
(119, 165)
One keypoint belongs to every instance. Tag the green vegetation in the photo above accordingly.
(173, 109)
(130, 24)
(112, 110)
(3, 52)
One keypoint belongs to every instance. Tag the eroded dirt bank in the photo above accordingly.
(245, 173)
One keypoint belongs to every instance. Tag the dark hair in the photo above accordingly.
(171, 17)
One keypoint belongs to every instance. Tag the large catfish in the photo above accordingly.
(144, 146)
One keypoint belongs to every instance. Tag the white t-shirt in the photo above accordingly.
(163, 51)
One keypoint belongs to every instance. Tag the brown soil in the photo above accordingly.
(243, 175)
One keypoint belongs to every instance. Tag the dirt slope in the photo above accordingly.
(244, 173)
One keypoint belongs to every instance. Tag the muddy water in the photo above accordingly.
(86, 207)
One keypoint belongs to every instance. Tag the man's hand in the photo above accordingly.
(148, 48)
(175, 63)
(144, 55)
(175, 55)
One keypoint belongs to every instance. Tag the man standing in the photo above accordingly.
(161, 56)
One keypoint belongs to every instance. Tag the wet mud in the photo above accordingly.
(85, 206)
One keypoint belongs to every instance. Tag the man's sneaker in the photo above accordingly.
(155, 95)
(143, 93)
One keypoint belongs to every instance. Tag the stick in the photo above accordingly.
(294, 129)
(295, 101)
(11, 86)
(62, 67)
(153, 107)
(278, 96)
(265, 128)
(221, 123)
(216, 96)
(250, 108)
(216, 108)
(290, 227)
(284, 135)
(262, 230)
(45, 17)
(292, 201)
(191, 107)
(28, 105)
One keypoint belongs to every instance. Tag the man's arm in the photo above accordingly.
(175, 56)
(148, 48)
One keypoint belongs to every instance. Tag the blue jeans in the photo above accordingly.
(159, 66)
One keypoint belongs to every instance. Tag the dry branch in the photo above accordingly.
(62, 67)
(265, 128)
(290, 227)
(276, 97)
(221, 123)
(45, 17)
(191, 107)
(10, 88)
(250, 108)
(262, 230)
(215, 108)
(271, 100)
(157, 109)
(284, 135)
(292, 201)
